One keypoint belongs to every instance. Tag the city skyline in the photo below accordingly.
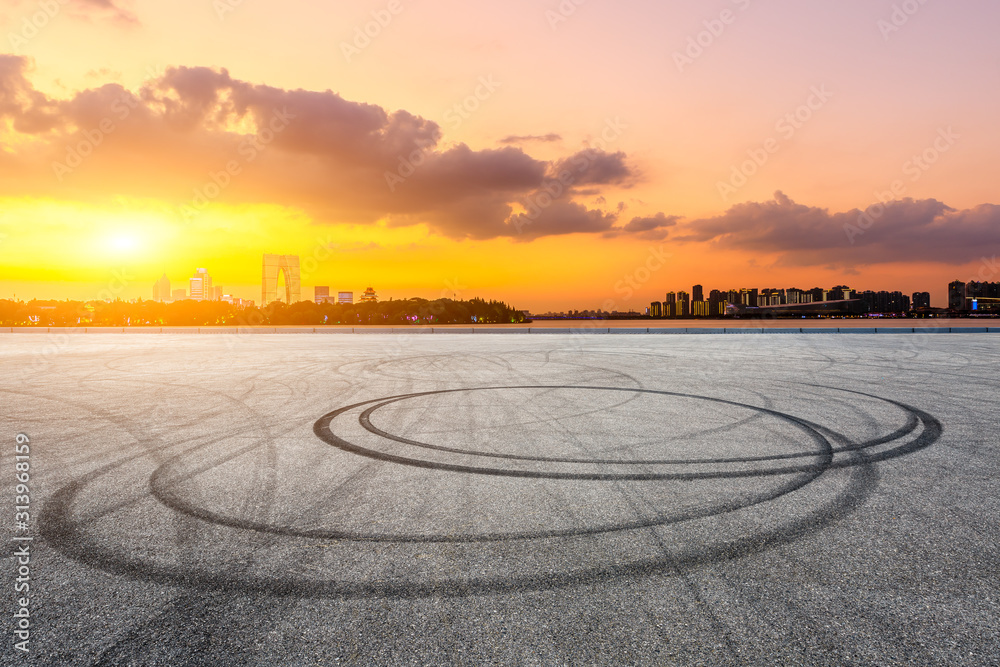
(398, 147)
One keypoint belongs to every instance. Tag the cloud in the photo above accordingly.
(900, 231)
(528, 138)
(657, 222)
(561, 217)
(595, 167)
(105, 9)
(193, 135)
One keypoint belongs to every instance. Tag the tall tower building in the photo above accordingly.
(287, 266)
(200, 285)
(161, 289)
(697, 293)
(956, 296)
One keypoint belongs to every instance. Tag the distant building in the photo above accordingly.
(179, 295)
(369, 296)
(274, 266)
(921, 300)
(697, 293)
(345, 297)
(700, 308)
(656, 309)
(161, 289)
(321, 294)
(218, 294)
(683, 307)
(200, 285)
(956, 295)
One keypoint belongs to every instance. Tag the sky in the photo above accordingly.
(555, 155)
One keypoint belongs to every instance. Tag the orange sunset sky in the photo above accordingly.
(573, 154)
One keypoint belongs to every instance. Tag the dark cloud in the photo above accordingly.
(561, 217)
(899, 231)
(595, 167)
(528, 138)
(340, 160)
(657, 222)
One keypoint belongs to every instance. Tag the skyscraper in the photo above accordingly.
(273, 266)
(200, 285)
(161, 289)
(956, 296)
(697, 293)
(683, 306)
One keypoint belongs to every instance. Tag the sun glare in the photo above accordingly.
(123, 243)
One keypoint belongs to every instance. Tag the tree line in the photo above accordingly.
(220, 313)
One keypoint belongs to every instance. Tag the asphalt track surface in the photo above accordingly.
(299, 499)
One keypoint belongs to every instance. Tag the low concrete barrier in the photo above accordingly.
(585, 330)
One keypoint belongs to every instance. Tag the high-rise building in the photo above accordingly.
(700, 308)
(656, 309)
(697, 293)
(345, 297)
(179, 294)
(683, 307)
(280, 265)
(839, 293)
(200, 285)
(956, 296)
(161, 289)
(921, 300)
(369, 296)
(217, 295)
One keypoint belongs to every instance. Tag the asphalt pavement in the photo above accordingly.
(292, 499)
